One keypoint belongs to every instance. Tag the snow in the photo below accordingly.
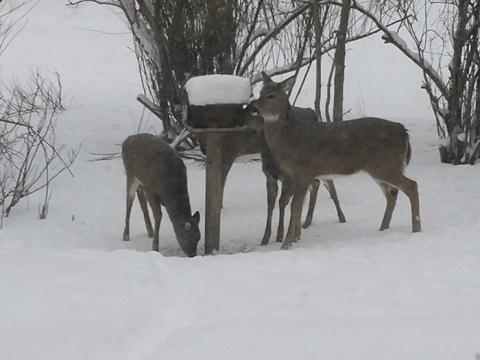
(218, 89)
(75, 290)
(397, 39)
(70, 288)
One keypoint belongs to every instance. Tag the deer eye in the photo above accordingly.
(270, 96)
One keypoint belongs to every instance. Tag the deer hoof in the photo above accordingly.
(126, 237)
(279, 238)
(266, 239)
(285, 246)
(416, 224)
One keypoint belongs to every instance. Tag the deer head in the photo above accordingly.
(188, 235)
(273, 100)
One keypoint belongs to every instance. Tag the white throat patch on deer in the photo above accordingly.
(270, 118)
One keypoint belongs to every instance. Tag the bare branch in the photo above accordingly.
(274, 32)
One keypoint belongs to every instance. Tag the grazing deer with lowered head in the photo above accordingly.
(307, 150)
(157, 174)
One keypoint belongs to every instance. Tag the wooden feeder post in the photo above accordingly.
(213, 193)
(217, 128)
(213, 126)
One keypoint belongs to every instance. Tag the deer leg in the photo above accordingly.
(143, 204)
(294, 227)
(132, 185)
(333, 195)
(298, 221)
(391, 194)
(409, 188)
(272, 191)
(157, 215)
(286, 195)
(311, 205)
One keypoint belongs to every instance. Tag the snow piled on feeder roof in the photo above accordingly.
(218, 89)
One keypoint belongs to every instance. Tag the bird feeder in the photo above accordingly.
(215, 114)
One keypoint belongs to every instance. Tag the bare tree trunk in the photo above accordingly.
(339, 61)
(477, 106)
(456, 89)
(476, 124)
(318, 56)
(329, 92)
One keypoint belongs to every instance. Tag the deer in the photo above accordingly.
(273, 174)
(246, 143)
(308, 150)
(157, 174)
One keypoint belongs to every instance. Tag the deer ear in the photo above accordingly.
(266, 79)
(288, 84)
(196, 217)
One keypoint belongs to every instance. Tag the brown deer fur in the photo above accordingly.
(236, 144)
(154, 169)
(307, 150)
(273, 173)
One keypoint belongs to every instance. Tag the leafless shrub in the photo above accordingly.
(444, 41)
(29, 157)
(177, 39)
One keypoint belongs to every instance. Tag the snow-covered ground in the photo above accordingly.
(70, 288)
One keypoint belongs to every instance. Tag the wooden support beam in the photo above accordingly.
(142, 99)
(220, 130)
(213, 193)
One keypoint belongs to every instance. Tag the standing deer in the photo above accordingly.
(274, 173)
(156, 172)
(307, 150)
(244, 143)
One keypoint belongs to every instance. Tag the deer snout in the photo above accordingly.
(251, 109)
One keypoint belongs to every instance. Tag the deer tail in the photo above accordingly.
(408, 154)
